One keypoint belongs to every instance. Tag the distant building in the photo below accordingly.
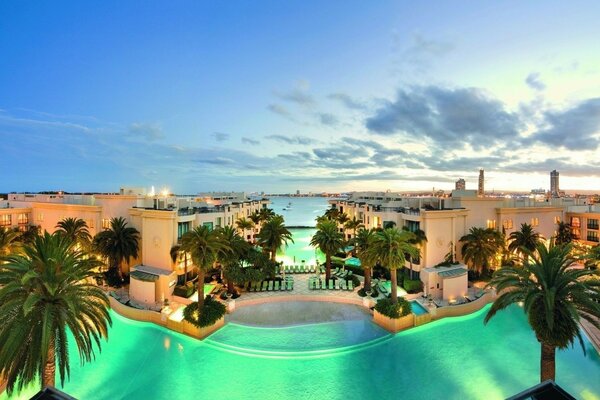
(460, 184)
(554, 184)
(298, 192)
(480, 187)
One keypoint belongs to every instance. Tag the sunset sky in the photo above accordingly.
(312, 95)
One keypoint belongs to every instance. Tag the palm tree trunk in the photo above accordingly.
(411, 269)
(547, 364)
(230, 286)
(200, 289)
(394, 279)
(327, 267)
(367, 278)
(273, 255)
(48, 378)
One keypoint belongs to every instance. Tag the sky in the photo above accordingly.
(298, 95)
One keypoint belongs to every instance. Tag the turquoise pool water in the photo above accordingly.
(300, 250)
(456, 358)
(417, 308)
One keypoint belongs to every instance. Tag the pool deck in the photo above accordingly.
(592, 333)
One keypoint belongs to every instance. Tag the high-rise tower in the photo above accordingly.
(480, 188)
(554, 186)
(460, 184)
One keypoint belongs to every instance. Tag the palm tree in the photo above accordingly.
(203, 245)
(255, 217)
(118, 244)
(76, 230)
(524, 241)
(29, 234)
(418, 241)
(45, 294)
(332, 213)
(273, 235)
(480, 246)
(564, 233)
(390, 247)
(593, 257)
(230, 256)
(9, 241)
(554, 296)
(363, 242)
(266, 214)
(341, 220)
(354, 225)
(176, 253)
(244, 224)
(329, 240)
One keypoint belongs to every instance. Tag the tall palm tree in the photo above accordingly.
(176, 253)
(329, 240)
(341, 220)
(273, 235)
(593, 257)
(29, 234)
(390, 247)
(354, 225)
(419, 238)
(255, 217)
(480, 246)
(9, 241)
(524, 241)
(555, 297)
(564, 233)
(76, 230)
(203, 245)
(332, 213)
(118, 244)
(231, 255)
(45, 294)
(266, 214)
(363, 242)
(244, 224)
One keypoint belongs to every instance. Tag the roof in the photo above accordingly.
(547, 390)
(143, 276)
(452, 273)
(50, 393)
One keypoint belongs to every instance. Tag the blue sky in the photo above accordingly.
(310, 95)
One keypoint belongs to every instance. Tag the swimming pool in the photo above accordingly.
(455, 358)
(417, 308)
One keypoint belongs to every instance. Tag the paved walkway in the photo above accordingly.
(592, 333)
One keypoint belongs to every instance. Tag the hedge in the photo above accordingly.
(213, 311)
(184, 290)
(412, 285)
(391, 310)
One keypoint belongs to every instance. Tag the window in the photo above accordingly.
(23, 219)
(535, 221)
(575, 222)
(557, 220)
(508, 223)
(592, 236)
(218, 223)
(592, 224)
(90, 223)
(491, 223)
(209, 225)
(5, 220)
(576, 233)
(182, 228)
(40, 217)
(105, 223)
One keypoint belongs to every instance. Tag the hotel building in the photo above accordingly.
(160, 219)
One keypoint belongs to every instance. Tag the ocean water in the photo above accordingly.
(303, 210)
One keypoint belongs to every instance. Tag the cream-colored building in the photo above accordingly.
(160, 219)
(585, 223)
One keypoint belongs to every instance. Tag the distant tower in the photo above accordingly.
(460, 184)
(480, 189)
(554, 186)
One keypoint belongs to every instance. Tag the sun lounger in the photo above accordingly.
(343, 274)
(323, 284)
(311, 269)
(337, 284)
(290, 285)
(350, 285)
(336, 270)
(382, 288)
(265, 285)
(270, 288)
(349, 274)
(343, 284)
(276, 286)
(331, 284)
(316, 284)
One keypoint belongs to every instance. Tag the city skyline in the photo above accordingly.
(274, 97)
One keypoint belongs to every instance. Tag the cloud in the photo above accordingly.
(281, 111)
(252, 142)
(447, 117)
(421, 46)
(298, 96)
(347, 101)
(220, 136)
(146, 131)
(328, 119)
(575, 128)
(534, 82)
(305, 140)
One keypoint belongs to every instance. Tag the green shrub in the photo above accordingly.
(355, 270)
(391, 310)
(412, 285)
(184, 290)
(213, 311)
(361, 292)
(355, 280)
